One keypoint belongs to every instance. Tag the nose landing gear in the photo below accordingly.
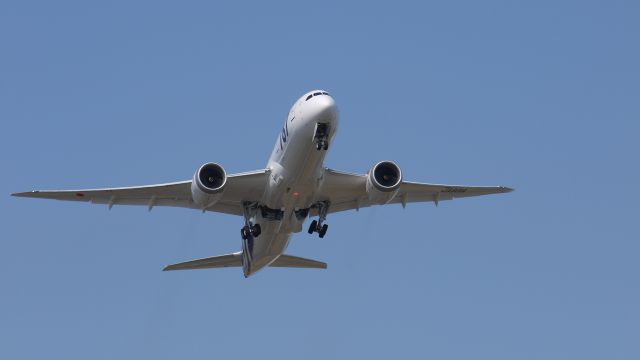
(322, 144)
(317, 225)
(321, 136)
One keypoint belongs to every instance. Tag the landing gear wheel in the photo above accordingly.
(323, 207)
(256, 230)
(313, 227)
(245, 232)
(249, 230)
(318, 146)
(326, 146)
(323, 230)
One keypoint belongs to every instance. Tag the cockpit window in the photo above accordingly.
(316, 94)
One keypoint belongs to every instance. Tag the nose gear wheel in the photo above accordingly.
(321, 136)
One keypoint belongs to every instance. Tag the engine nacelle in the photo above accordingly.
(383, 182)
(208, 184)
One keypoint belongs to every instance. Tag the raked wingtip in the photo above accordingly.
(25, 193)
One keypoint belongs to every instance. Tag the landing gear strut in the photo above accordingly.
(317, 225)
(249, 229)
(321, 137)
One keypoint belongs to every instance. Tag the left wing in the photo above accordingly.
(347, 191)
(241, 187)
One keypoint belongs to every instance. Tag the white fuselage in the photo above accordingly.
(296, 169)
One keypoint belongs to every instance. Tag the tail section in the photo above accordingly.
(229, 260)
(298, 262)
(235, 260)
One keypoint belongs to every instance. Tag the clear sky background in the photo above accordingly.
(540, 96)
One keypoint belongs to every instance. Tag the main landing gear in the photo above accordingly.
(249, 229)
(321, 136)
(317, 225)
(253, 230)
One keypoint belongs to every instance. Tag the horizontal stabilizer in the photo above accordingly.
(298, 262)
(229, 260)
(235, 260)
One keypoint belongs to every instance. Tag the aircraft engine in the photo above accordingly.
(208, 184)
(383, 182)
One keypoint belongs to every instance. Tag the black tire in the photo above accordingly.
(244, 232)
(318, 146)
(326, 146)
(323, 230)
(256, 230)
(313, 227)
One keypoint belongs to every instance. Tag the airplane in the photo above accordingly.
(275, 202)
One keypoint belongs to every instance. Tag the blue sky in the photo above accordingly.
(540, 96)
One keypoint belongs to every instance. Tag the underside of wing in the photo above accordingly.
(420, 192)
(346, 191)
(241, 187)
(170, 194)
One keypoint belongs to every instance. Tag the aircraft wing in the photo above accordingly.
(241, 187)
(347, 191)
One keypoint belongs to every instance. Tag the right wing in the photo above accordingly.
(241, 187)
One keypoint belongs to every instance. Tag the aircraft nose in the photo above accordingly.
(323, 108)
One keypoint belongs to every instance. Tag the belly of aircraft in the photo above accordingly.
(263, 250)
(302, 164)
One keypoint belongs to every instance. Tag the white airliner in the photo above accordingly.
(275, 201)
